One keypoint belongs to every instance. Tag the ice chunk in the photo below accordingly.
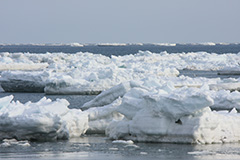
(14, 142)
(100, 117)
(5, 101)
(224, 99)
(208, 44)
(76, 44)
(177, 105)
(165, 44)
(44, 120)
(123, 142)
(110, 95)
(204, 128)
(132, 102)
(111, 44)
(19, 81)
(179, 116)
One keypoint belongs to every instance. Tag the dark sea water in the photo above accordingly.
(98, 146)
(109, 50)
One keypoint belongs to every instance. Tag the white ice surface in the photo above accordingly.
(14, 142)
(37, 76)
(87, 73)
(225, 99)
(169, 114)
(140, 111)
(123, 142)
(44, 120)
(100, 117)
(179, 117)
(108, 96)
(20, 61)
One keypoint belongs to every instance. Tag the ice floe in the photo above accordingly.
(14, 142)
(87, 73)
(112, 44)
(18, 81)
(44, 120)
(141, 98)
(169, 114)
(123, 142)
(76, 44)
(136, 110)
(208, 44)
(182, 116)
(165, 44)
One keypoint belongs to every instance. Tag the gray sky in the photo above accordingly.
(130, 21)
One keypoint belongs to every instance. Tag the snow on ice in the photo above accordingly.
(141, 98)
(44, 120)
(87, 73)
(130, 111)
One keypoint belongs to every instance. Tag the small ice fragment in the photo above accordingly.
(87, 145)
(5, 144)
(83, 144)
(113, 149)
(132, 145)
(201, 152)
(26, 144)
(123, 141)
(233, 111)
(143, 153)
(10, 142)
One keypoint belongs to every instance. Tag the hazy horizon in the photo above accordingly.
(108, 21)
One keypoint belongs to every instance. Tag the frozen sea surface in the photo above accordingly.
(98, 147)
